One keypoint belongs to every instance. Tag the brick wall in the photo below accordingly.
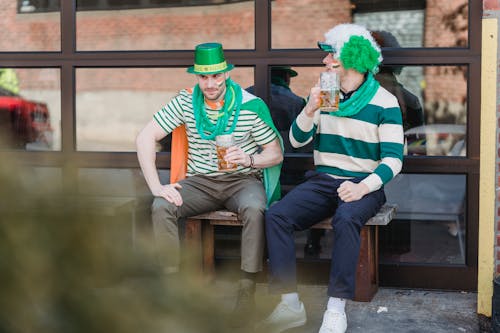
(184, 27)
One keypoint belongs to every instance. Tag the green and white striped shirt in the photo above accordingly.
(368, 144)
(250, 132)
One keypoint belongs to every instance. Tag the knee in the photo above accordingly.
(161, 206)
(252, 209)
(346, 219)
(276, 220)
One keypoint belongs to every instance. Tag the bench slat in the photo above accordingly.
(224, 217)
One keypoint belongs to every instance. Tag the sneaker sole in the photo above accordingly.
(291, 325)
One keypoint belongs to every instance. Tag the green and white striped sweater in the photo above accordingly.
(250, 132)
(368, 144)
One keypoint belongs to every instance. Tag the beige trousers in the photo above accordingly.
(242, 194)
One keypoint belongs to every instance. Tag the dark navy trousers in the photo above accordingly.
(307, 204)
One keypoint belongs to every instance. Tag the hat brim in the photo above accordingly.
(292, 72)
(326, 47)
(284, 69)
(227, 69)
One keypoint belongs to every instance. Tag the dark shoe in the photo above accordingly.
(312, 250)
(244, 309)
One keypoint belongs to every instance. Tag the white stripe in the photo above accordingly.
(391, 133)
(295, 143)
(373, 182)
(345, 162)
(349, 128)
(395, 164)
(304, 122)
(384, 99)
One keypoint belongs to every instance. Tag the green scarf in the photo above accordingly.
(359, 99)
(232, 104)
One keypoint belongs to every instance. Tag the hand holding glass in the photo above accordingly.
(222, 142)
(329, 91)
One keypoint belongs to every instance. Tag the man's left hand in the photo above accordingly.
(349, 191)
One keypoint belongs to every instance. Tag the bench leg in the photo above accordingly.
(193, 243)
(208, 250)
(199, 238)
(367, 271)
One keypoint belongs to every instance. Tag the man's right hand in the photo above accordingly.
(313, 102)
(170, 193)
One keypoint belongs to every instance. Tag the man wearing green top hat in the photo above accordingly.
(215, 106)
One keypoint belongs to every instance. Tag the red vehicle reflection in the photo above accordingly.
(24, 124)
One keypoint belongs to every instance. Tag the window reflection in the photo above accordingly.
(284, 104)
(113, 104)
(30, 109)
(430, 224)
(164, 25)
(23, 30)
(418, 23)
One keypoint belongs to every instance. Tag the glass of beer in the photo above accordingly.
(329, 91)
(222, 142)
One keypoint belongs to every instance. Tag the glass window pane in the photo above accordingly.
(113, 104)
(109, 182)
(430, 222)
(40, 181)
(442, 93)
(178, 26)
(29, 26)
(414, 23)
(30, 108)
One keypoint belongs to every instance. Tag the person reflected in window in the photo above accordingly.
(285, 105)
(9, 82)
(215, 106)
(357, 149)
(411, 108)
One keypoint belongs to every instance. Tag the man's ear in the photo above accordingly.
(226, 75)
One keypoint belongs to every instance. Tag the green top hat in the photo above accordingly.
(209, 59)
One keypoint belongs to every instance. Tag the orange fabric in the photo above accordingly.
(179, 154)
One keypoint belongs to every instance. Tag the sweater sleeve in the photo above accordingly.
(391, 136)
(303, 129)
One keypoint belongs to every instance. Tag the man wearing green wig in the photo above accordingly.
(357, 149)
(215, 106)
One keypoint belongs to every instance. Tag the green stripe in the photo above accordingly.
(384, 172)
(392, 149)
(330, 143)
(378, 115)
(161, 122)
(340, 172)
(299, 135)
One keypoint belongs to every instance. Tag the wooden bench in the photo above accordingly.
(200, 235)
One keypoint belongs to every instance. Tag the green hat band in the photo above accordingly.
(210, 68)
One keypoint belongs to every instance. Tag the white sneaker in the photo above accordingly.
(282, 318)
(333, 322)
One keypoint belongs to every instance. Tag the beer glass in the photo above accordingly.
(329, 91)
(222, 142)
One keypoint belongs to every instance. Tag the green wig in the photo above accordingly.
(359, 54)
